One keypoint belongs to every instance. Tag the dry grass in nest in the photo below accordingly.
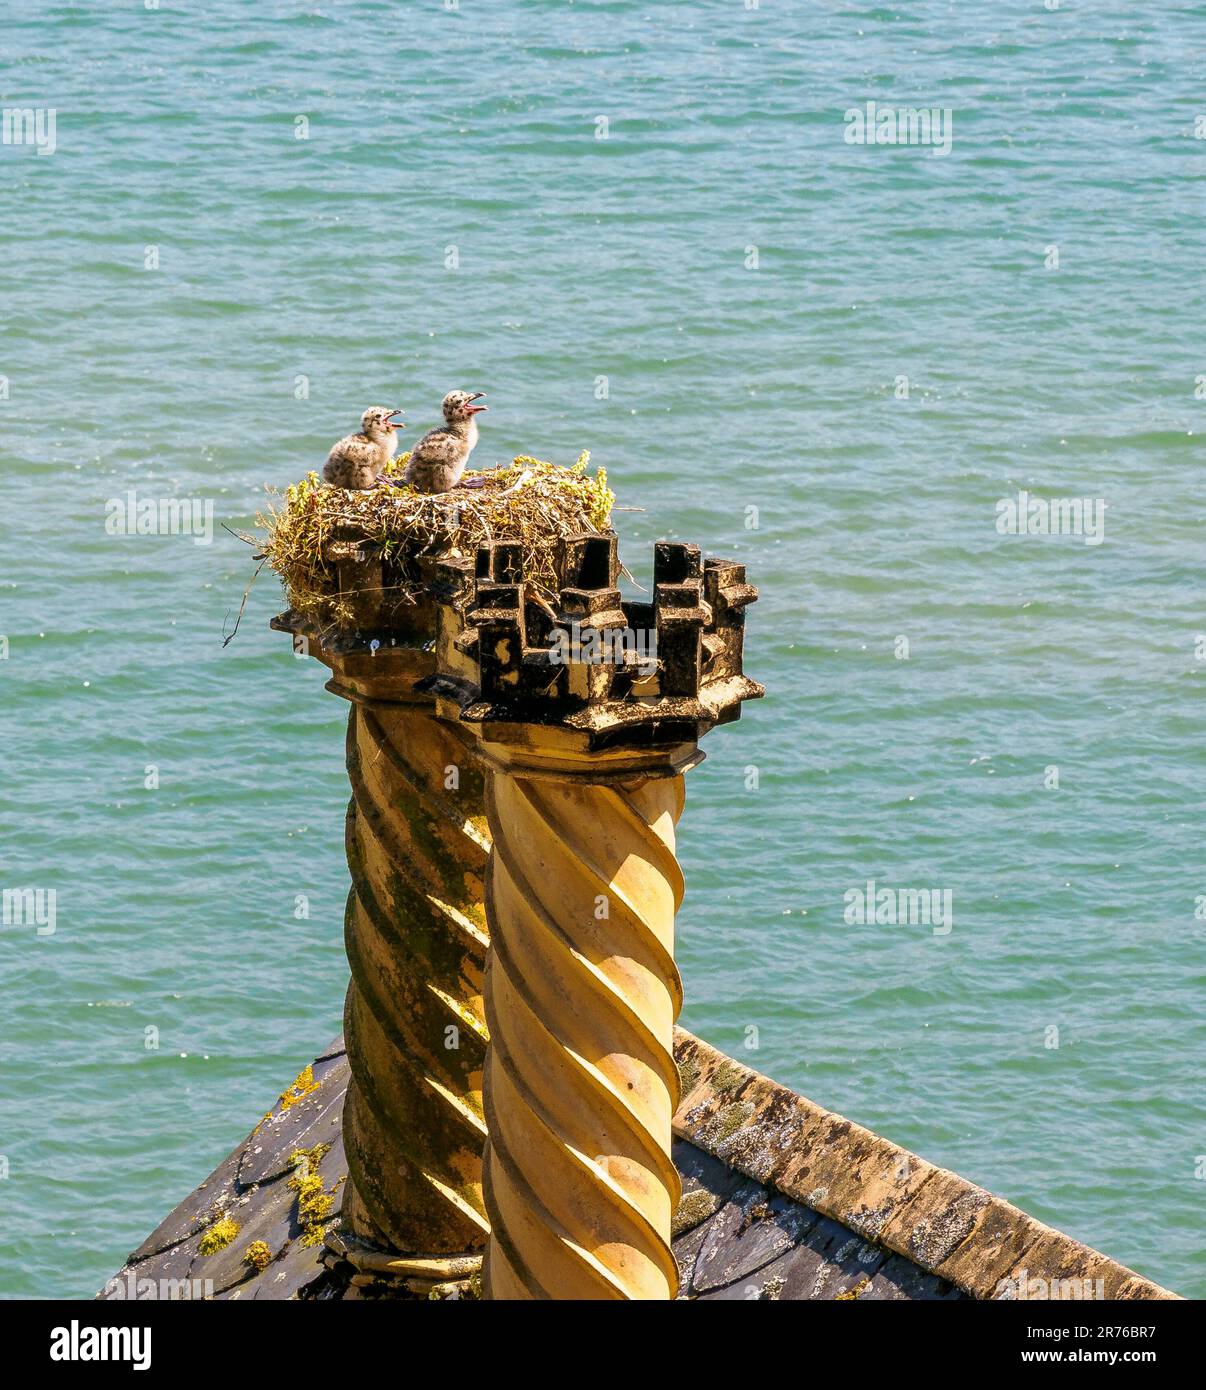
(529, 501)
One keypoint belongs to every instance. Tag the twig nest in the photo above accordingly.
(530, 501)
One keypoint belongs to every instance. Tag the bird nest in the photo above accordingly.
(529, 501)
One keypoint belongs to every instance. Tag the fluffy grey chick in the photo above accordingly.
(440, 457)
(357, 461)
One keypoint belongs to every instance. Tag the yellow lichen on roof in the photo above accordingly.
(304, 1085)
(258, 1255)
(314, 1204)
(219, 1236)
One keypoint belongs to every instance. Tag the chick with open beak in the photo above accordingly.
(439, 458)
(358, 460)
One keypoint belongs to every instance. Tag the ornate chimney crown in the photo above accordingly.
(619, 672)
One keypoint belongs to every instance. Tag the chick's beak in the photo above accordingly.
(476, 409)
(393, 424)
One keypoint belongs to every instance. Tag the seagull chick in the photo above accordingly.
(440, 457)
(357, 461)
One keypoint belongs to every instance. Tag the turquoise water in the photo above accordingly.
(728, 387)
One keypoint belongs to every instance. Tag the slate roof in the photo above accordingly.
(251, 1187)
(900, 1206)
(781, 1200)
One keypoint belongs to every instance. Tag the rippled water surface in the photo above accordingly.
(753, 288)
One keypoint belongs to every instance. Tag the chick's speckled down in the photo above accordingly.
(439, 458)
(357, 461)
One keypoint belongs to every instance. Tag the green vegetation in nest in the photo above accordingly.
(529, 501)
